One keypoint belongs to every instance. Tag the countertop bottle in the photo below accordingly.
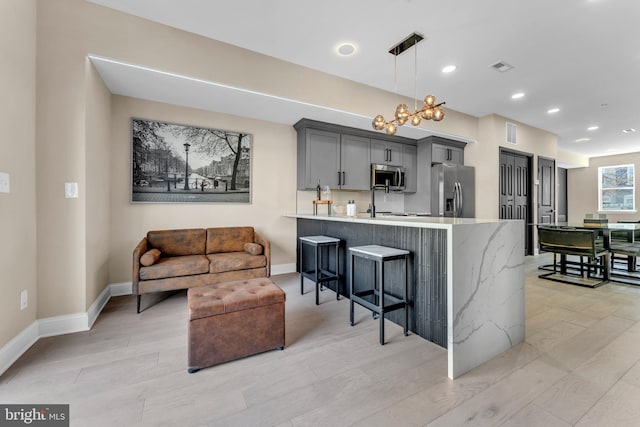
(318, 191)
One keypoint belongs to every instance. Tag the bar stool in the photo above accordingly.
(318, 274)
(376, 299)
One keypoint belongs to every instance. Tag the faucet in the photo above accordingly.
(372, 205)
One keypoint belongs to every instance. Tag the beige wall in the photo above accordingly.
(17, 158)
(483, 155)
(273, 184)
(98, 183)
(582, 188)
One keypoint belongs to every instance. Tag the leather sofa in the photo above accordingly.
(168, 260)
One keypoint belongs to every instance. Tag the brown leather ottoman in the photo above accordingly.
(231, 320)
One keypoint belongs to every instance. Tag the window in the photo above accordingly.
(616, 189)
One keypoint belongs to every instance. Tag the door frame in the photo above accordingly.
(529, 250)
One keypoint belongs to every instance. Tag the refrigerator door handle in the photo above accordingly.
(455, 199)
(461, 199)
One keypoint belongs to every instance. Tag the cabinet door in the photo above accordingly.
(322, 158)
(395, 152)
(379, 153)
(354, 163)
(410, 163)
(445, 154)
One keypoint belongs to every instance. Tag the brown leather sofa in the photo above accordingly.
(180, 259)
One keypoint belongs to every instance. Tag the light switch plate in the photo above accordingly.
(71, 190)
(4, 182)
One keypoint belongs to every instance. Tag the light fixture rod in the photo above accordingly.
(406, 44)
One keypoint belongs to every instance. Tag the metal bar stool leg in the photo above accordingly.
(301, 245)
(337, 271)
(351, 289)
(406, 298)
(318, 266)
(381, 299)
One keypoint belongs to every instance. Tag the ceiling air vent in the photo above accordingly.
(511, 133)
(501, 66)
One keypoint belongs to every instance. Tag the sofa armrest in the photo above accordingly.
(266, 245)
(137, 253)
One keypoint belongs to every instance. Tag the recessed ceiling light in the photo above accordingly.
(346, 49)
(593, 127)
(553, 110)
(517, 95)
(583, 139)
(449, 69)
(630, 130)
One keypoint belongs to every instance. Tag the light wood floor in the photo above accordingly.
(580, 365)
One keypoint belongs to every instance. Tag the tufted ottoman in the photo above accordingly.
(231, 320)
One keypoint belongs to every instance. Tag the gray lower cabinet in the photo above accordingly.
(337, 160)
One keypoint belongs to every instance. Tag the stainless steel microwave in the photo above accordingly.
(383, 176)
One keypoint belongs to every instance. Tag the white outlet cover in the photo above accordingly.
(24, 299)
(4, 182)
(71, 190)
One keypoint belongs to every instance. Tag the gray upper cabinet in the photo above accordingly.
(410, 163)
(341, 156)
(446, 154)
(322, 159)
(386, 152)
(354, 163)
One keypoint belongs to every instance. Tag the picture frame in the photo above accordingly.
(215, 162)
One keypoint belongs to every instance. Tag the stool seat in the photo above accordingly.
(318, 240)
(377, 251)
(320, 274)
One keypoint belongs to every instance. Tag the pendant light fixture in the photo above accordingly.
(430, 110)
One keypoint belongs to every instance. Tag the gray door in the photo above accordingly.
(515, 192)
(546, 190)
(354, 163)
(323, 158)
(562, 195)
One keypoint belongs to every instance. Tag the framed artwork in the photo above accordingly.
(172, 163)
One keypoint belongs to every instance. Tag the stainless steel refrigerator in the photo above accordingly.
(452, 190)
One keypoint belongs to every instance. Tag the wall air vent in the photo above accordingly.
(501, 66)
(511, 133)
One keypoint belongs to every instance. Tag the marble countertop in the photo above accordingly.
(401, 221)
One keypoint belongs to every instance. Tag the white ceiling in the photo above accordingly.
(582, 56)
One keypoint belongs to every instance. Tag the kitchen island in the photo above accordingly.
(466, 277)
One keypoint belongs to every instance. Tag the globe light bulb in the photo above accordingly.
(415, 120)
(391, 129)
(427, 113)
(430, 100)
(438, 114)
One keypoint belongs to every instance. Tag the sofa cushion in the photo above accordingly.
(233, 261)
(175, 267)
(150, 257)
(228, 239)
(178, 242)
(253, 248)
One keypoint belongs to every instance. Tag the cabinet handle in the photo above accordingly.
(338, 178)
(344, 181)
(448, 153)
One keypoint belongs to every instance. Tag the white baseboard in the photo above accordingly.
(58, 325)
(15, 348)
(119, 289)
(283, 269)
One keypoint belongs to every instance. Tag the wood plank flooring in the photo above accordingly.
(579, 366)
